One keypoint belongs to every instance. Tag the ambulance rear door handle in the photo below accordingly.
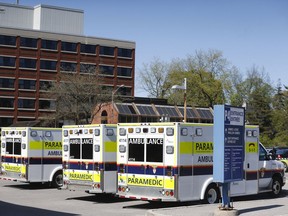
(248, 165)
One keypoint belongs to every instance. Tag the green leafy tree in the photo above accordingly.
(258, 93)
(280, 116)
(208, 80)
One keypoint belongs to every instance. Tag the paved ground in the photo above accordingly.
(259, 205)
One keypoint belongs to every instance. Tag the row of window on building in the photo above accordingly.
(50, 65)
(44, 85)
(65, 46)
(24, 103)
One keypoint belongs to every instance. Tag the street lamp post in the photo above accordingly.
(112, 100)
(183, 87)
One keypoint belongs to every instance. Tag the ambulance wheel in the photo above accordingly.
(276, 186)
(57, 179)
(212, 194)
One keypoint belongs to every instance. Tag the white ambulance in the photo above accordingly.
(30, 154)
(89, 158)
(174, 162)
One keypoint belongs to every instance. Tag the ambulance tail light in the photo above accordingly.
(168, 193)
(97, 185)
(123, 189)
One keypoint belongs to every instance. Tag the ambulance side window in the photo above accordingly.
(9, 147)
(17, 147)
(154, 151)
(75, 151)
(136, 152)
(87, 151)
(262, 153)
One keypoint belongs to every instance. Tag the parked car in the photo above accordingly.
(281, 154)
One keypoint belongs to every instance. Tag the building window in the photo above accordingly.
(126, 53)
(28, 42)
(27, 63)
(7, 61)
(88, 48)
(26, 103)
(45, 85)
(69, 47)
(127, 91)
(49, 44)
(88, 68)
(47, 104)
(106, 70)
(6, 121)
(27, 84)
(109, 51)
(48, 65)
(7, 40)
(7, 102)
(121, 71)
(68, 66)
(6, 83)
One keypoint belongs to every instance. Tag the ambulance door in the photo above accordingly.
(97, 156)
(154, 142)
(136, 152)
(185, 140)
(36, 155)
(87, 143)
(265, 166)
(73, 151)
(12, 158)
(251, 161)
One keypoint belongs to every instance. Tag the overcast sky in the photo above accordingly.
(248, 32)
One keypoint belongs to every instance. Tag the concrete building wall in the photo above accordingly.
(16, 16)
(43, 18)
(57, 19)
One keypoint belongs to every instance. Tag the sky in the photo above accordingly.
(248, 32)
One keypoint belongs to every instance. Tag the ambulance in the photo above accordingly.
(174, 162)
(89, 158)
(30, 154)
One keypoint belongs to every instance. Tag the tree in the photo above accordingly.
(207, 76)
(257, 93)
(153, 78)
(76, 97)
(280, 116)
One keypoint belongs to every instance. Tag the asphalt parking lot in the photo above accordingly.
(254, 205)
(24, 199)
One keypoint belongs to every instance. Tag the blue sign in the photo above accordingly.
(228, 154)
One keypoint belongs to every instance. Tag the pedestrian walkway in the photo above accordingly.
(255, 207)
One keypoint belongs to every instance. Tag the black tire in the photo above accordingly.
(276, 186)
(212, 194)
(57, 179)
